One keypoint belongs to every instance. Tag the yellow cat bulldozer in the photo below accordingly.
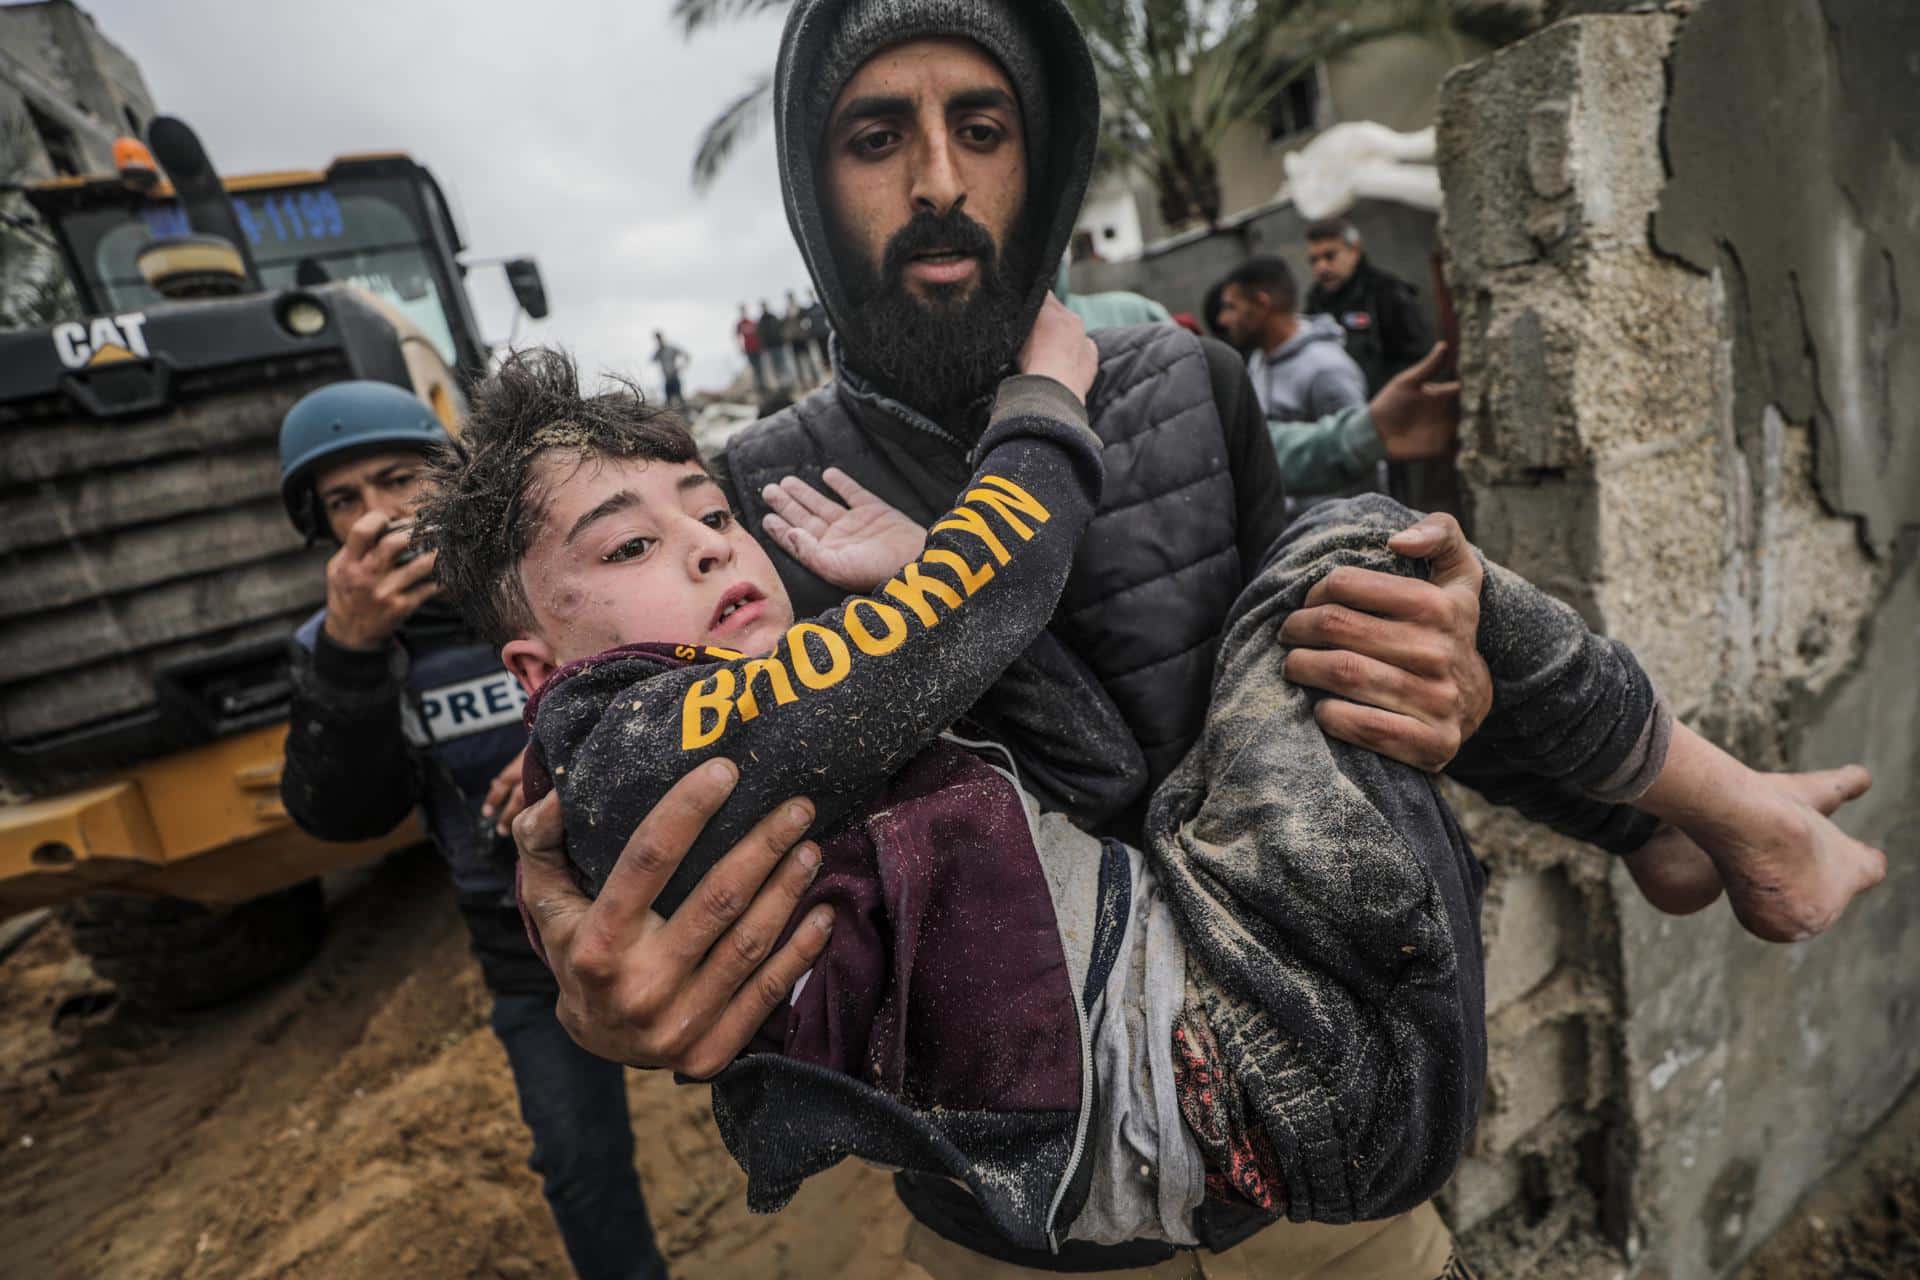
(151, 577)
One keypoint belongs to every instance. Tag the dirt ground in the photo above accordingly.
(358, 1122)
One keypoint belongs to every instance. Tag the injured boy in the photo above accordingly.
(1277, 1003)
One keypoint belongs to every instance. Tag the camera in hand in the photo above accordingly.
(419, 543)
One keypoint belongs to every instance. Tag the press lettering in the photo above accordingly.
(497, 698)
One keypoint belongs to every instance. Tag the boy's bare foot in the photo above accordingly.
(1673, 873)
(1676, 875)
(1789, 872)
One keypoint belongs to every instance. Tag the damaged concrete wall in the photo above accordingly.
(1698, 429)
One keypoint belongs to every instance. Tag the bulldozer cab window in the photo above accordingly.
(363, 233)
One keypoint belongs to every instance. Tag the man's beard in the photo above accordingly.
(942, 355)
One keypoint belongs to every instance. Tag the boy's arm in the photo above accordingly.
(1330, 898)
(1331, 907)
(852, 694)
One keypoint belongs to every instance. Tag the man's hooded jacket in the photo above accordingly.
(1192, 500)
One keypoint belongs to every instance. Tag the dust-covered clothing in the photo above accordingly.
(946, 1026)
(1329, 900)
(1193, 493)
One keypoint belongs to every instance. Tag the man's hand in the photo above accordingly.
(505, 797)
(856, 546)
(1398, 653)
(686, 993)
(1416, 416)
(367, 597)
(1059, 348)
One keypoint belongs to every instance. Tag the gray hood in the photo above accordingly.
(1057, 180)
(1314, 328)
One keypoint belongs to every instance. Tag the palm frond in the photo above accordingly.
(737, 121)
(692, 15)
(1177, 76)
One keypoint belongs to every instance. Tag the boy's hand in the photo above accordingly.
(856, 547)
(367, 597)
(686, 993)
(1059, 348)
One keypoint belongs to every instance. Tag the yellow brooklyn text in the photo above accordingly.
(814, 658)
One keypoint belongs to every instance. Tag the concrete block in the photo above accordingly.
(1531, 919)
(1480, 1187)
(1553, 142)
(1529, 1081)
(1545, 530)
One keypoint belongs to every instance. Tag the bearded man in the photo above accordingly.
(933, 156)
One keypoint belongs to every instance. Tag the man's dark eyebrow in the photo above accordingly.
(694, 480)
(986, 99)
(873, 107)
(619, 502)
(348, 487)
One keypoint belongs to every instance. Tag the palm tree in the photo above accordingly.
(1177, 76)
(34, 289)
(742, 117)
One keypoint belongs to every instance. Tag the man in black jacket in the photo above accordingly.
(1386, 330)
(934, 155)
(397, 705)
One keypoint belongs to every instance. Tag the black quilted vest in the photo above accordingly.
(1157, 570)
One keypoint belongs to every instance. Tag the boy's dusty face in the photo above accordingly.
(635, 551)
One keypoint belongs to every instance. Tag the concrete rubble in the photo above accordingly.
(1678, 244)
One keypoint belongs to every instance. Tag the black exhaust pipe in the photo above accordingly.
(176, 148)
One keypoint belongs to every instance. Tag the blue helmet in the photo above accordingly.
(341, 417)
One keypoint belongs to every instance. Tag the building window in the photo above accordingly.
(62, 152)
(1295, 110)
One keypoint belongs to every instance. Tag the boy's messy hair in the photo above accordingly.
(484, 507)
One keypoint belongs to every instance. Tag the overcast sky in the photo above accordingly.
(564, 129)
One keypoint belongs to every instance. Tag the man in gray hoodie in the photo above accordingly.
(1300, 367)
(1301, 373)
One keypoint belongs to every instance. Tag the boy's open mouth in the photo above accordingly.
(741, 605)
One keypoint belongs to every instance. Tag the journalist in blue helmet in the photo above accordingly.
(397, 706)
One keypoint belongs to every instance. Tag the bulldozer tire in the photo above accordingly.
(168, 955)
